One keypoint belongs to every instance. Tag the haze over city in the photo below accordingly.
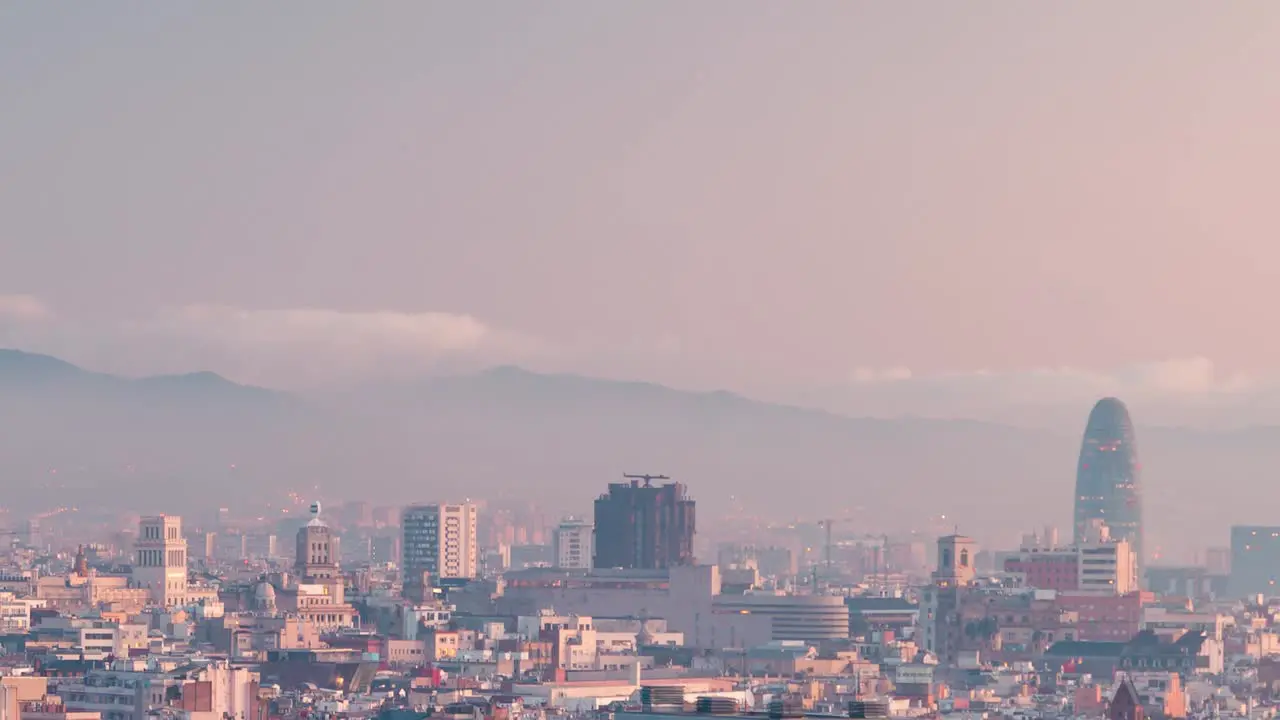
(675, 316)
(874, 210)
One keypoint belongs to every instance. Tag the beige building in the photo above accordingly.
(320, 593)
(321, 603)
(441, 644)
(317, 555)
(405, 653)
(245, 636)
(160, 559)
(77, 592)
(26, 698)
(957, 556)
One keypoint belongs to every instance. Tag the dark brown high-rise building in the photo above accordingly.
(639, 526)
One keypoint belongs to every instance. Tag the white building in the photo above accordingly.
(15, 612)
(1107, 568)
(572, 544)
(756, 618)
(439, 540)
(134, 690)
(160, 559)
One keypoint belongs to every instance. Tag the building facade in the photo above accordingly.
(753, 619)
(160, 559)
(1113, 618)
(1108, 478)
(572, 544)
(642, 527)
(1096, 567)
(1255, 560)
(440, 541)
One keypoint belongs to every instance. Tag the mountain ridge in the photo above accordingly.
(193, 441)
(20, 365)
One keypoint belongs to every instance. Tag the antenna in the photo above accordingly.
(648, 479)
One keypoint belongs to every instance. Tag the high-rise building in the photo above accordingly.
(439, 541)
(1108, 479)
(572, 544)
(639, 526)
(1255, 561)
(160, 559)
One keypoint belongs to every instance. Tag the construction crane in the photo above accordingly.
(826, 551)
(882, 563)
(648, 479)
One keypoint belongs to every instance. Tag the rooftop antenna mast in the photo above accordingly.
(648, 479)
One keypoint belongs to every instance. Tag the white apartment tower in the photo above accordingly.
(572, 544)
(160, 559)
(440, 541)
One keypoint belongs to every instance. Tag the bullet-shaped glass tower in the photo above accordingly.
(1108, 483)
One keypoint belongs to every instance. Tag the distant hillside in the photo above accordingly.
(169, 443)
(66, 431)
(24, 373)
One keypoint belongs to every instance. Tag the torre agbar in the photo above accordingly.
(1108, 482)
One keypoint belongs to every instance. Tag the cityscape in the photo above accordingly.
(630, 360)
(466, 607)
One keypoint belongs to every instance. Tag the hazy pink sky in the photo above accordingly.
(722, 193)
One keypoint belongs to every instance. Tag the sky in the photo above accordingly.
(848, 203)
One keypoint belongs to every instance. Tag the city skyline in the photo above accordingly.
(131, 436)
(639, 361)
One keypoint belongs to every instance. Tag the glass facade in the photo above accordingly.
(1108, 478)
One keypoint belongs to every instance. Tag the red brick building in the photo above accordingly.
(1047, 569)
(1108, 618)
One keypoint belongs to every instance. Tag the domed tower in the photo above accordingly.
(317, 550)
(264, 597)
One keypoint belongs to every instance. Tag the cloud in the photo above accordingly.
(1175, 389)
(313, 346)
(295, 348)
(310, 348)
(23, 308)
(1182, 376)
(1195, 375)
(423, 334)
